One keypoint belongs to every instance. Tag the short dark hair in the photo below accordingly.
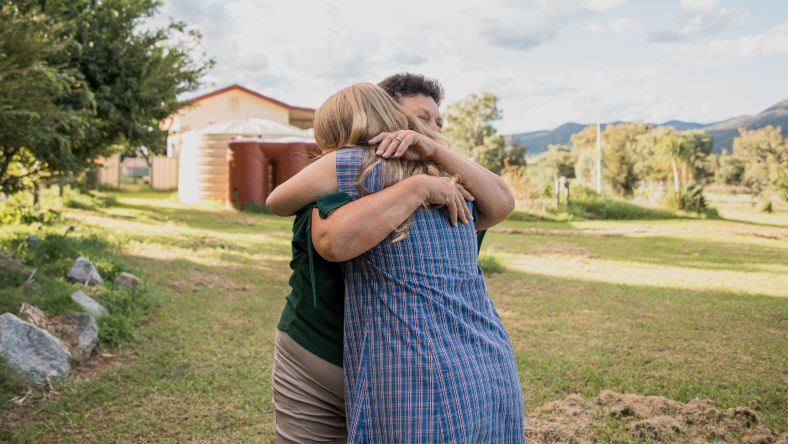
(406, 84)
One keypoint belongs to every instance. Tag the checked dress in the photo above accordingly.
(426, 356)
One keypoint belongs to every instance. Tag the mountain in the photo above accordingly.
(723, 132)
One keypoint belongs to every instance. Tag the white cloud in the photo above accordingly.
(773, 42)
(534, 54)
(704, 6)
(701, 18)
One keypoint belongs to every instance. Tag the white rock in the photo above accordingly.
(89, 304)
(84, 272)
(34, 353)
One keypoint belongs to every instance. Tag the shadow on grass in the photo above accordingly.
(659, 250)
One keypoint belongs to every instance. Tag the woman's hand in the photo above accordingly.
(440, 191)
(413, 145)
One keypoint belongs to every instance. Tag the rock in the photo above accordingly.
(34, 353)
(84, 272)
(79, 331)
(127, 280)
(33, 242)
(87, 333)
(89, 304)
(33, 315)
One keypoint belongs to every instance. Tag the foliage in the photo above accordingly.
(491, 264)
(42, 105)
(763, 153)
(125, 307)
(781, 183)
(699, 145)
(690, 198)
(620, 141)
(729, 169)
(765, 205)
(555, 162)
(19, 209)
(87, 200)
(469, 127)
(78, 78)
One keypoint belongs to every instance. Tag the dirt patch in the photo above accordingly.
(561, 249)
(594, 233)
(646, 418)
(766, 234)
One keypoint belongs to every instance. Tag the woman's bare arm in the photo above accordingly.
(355, 228)
(494, 199)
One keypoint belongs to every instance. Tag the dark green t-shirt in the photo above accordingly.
(314, 310)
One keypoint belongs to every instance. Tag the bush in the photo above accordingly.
(586, 203)
(765, 205)
(19, 209)
(491, 264)
(89, 200)
(125, 307)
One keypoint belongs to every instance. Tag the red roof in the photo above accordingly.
(250, 92)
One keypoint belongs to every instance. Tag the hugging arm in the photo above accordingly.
(356, 227)
(493, 198)
(318, 178)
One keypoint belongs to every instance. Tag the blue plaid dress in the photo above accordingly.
(426, 356)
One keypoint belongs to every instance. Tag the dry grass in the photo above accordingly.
(682, 309)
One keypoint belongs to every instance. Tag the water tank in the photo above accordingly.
(203, 174)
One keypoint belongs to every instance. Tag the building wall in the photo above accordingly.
(231, 105)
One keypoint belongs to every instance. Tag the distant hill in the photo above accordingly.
(723, 132)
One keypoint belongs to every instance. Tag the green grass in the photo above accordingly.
(682, 308)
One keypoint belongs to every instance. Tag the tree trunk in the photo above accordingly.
(676, 185)
(36, 193)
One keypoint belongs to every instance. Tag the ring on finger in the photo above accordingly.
(399, 138)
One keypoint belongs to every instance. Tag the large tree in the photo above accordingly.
(763, 152)
(43, 107)
(122, 76)
(620, 142)
(469, 128)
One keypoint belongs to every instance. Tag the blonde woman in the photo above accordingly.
(426, 356)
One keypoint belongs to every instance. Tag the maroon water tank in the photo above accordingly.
(248, 171)
(257, 167)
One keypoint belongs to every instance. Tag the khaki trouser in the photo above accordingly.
(309, 396)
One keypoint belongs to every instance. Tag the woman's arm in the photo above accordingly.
(318, 178)
(494, 199)
(355, 228)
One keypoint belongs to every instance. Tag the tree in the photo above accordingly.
(648, 164)
(729, 169)
(117, 76)
(469, 127)
(557, 162)
(620, 142)
(699, 145)
(40, 120)
(762, 152)
(675, 149)
(583, 152)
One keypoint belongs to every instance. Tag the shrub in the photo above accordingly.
(89, 200)
(586, 203)
(125, 307)
(19, 209)
(491, 264)
(765, 205)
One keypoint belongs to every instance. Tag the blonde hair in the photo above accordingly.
(360, 112)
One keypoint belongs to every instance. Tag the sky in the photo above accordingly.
(548, 61)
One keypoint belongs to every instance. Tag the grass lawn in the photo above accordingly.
(678, 308)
